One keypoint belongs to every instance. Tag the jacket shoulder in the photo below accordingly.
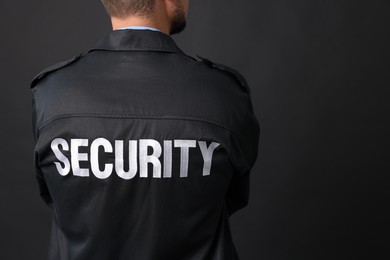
(232, 72)
(54, 67)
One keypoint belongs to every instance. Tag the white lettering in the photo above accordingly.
(76, 157)
(60, 156)
(95, 158)
(119, 163)
(207, 154)
(184, 156)
(137, 161)
(144, 158)
(167, 159)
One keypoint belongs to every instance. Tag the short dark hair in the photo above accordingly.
(124, 8)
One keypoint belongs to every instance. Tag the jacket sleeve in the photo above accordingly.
(244, 150)
(43, 189)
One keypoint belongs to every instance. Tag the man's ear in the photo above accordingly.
(170, 7)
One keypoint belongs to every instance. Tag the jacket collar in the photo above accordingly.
(137, 40)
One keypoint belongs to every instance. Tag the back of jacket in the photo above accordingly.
(142, 152)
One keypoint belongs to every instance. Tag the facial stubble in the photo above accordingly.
(179, 19)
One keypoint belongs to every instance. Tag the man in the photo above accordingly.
(142, 152)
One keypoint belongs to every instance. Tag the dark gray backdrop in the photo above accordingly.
(319, 74)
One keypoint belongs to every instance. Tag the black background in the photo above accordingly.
(319, 74)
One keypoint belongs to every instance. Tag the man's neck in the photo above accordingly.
(158, 20)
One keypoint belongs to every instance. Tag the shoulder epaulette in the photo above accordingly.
(54, 67)
(236, 74)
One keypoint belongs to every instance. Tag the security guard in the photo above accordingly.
(141, 151)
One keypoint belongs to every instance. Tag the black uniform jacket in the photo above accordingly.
(141, 151)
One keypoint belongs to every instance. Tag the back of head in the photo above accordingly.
(124, 8)
(169, 16)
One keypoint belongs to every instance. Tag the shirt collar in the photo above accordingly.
(137, 40)
(137, 27)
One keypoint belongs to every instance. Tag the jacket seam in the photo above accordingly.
(135, 50)
(134, 116)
